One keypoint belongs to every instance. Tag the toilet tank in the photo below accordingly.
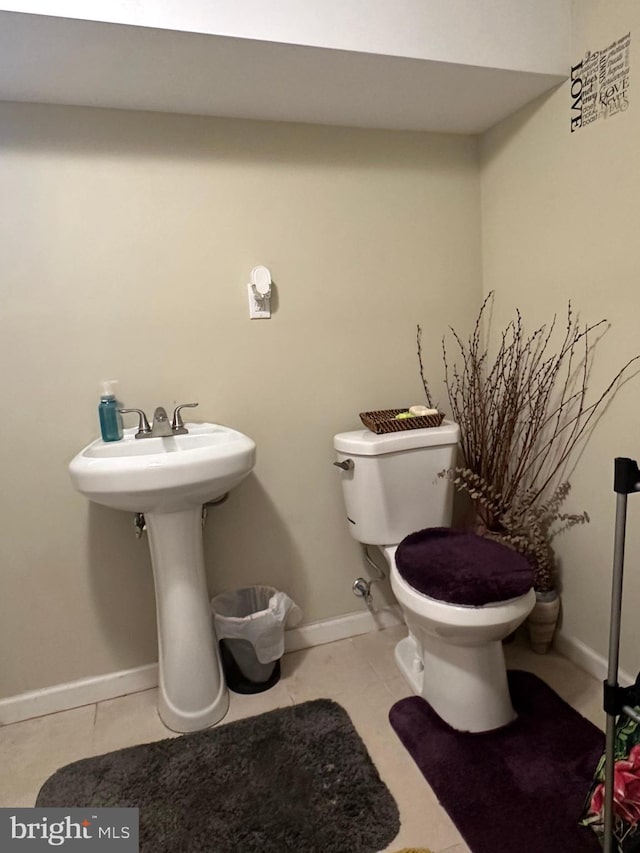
(393, 488)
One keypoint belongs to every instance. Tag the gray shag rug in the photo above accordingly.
(295, 779)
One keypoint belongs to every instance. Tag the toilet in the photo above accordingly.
(460, 594)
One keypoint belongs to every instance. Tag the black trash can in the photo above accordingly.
(250, 624)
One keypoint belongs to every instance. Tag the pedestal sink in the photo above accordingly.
(169, 479)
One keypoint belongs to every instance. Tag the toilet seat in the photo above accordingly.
(495, 613)
(462, 568)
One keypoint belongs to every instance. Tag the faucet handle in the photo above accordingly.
(177, 424)
(143, 423)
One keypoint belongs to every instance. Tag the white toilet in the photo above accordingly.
(453, 654)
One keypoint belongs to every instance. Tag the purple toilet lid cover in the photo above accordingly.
(462, 568)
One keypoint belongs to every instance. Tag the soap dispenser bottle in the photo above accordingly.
(108, 412)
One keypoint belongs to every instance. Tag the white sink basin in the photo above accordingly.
(163, 474)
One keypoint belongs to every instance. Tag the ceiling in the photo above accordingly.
(70, 61)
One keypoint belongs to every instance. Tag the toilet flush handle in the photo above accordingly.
(347, 465)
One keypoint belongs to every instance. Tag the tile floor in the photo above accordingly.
(359, 673)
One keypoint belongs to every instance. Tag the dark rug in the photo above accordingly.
(518, 789)
(296, 779)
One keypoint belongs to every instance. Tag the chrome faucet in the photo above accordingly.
(162, 427)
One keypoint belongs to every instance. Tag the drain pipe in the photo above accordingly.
(140, 526)
(362, 587)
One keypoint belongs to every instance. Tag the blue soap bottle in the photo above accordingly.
(108, 412)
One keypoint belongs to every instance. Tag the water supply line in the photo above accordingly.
(362, 587)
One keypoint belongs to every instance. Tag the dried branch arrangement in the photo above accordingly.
(523, 415)
(527, 528)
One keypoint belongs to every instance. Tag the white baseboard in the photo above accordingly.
(341, 627)
(74, 694)
(88, 691)
(583, 656)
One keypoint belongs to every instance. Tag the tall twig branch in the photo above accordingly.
(425, 384)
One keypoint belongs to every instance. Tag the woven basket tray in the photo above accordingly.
(385, 421)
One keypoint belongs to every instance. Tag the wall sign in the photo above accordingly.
(600, 83)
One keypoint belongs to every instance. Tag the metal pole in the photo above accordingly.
(612, 675)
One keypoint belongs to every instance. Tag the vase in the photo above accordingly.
(542, 621)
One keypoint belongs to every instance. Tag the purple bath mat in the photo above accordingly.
(518, 789)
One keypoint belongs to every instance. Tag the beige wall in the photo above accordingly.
(560, 220)
(126, 242)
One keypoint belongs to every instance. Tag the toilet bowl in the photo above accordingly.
(452, 656)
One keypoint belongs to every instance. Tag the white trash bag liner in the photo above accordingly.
(257, 614)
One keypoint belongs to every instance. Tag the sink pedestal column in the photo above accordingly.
(193, 694)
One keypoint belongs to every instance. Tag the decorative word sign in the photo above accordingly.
(600, 83)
